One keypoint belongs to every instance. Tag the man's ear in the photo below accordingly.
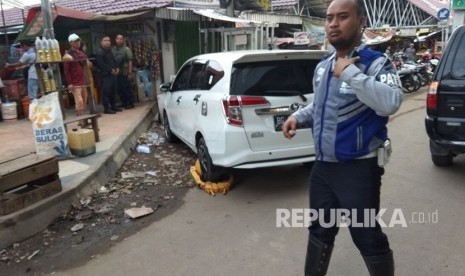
(363, 22)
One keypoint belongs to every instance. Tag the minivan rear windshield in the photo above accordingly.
(273, 78)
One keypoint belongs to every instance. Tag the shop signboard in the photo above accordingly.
(408, 32)
(240, 40)
(443, 24)
(458, 4)
(206, 4)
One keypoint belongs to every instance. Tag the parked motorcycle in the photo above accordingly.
(409, 78)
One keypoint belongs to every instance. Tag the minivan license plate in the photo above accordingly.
(279, 121)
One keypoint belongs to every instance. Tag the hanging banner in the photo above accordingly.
(315, 29)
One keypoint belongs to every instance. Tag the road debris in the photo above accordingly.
(151, 173)
(138, 212)
(103, 190)
(143, 149)
(33, 254)
(126, 175)
(77, 227)
(158, 180)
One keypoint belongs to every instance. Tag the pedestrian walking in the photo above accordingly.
(75, 75)
(27, 61)
(108, 71)
(124, 57)
(356, 89)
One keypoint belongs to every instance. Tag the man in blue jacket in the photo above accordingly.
(356, 89)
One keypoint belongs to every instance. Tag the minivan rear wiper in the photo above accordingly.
(287, 92)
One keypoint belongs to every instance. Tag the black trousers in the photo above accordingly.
(109, 88)
(351, 185)
(125, 90)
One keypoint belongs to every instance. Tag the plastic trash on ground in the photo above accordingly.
(143, 149)
(210, 187)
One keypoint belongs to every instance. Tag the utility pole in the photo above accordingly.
(230, 9)
(228, 5)
(4, 25)
(47, 17)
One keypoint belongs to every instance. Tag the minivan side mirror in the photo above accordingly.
(165, 87)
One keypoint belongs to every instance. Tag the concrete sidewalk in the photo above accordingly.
(79, 176)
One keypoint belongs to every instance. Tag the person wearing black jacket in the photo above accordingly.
(108, 70)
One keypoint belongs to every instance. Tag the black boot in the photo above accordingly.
(318, 256)
(382, 265)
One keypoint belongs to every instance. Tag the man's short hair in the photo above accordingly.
(360, 6)
(26, 42)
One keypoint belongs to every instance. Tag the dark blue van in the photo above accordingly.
(445, 119)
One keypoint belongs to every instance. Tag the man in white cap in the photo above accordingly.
(75, 74)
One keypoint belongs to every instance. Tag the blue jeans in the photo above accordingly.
(32, 88)
(350, 185)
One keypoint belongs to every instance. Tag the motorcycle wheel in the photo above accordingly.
(408, 85)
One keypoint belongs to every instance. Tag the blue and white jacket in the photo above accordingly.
(349, 114)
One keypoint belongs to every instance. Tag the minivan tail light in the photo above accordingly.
(232, 107)
(432, 98)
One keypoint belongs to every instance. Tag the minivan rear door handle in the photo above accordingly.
(178, 100)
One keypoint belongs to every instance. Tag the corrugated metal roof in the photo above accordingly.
(113, 6)
(13, 17)
(178, 14)
(273, 18)
(283, 3)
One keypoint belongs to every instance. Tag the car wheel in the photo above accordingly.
(210, 172)
(442, 160)
(169, 136)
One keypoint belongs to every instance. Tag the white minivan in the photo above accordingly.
(229, 108)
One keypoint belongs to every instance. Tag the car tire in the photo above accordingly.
(442, 160)
(210, 172)
(439, 155)
(169, 135)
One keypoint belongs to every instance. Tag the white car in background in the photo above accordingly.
(229, 108)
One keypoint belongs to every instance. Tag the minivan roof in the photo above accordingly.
(231, 57)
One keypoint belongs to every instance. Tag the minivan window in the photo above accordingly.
(197, 78)
(214, 73)
(458, 67)
(181, 82)
(273, 78)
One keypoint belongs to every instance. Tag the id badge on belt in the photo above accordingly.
(384, 153)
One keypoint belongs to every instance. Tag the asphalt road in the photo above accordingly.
(236, 234)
